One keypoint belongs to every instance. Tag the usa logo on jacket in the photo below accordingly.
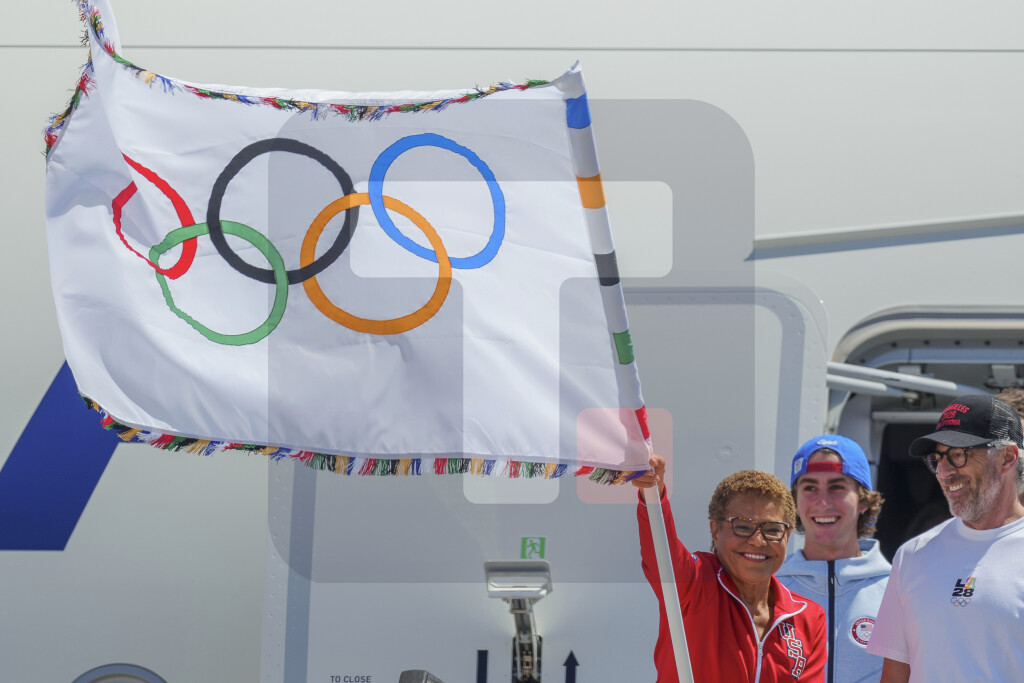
(794, 648)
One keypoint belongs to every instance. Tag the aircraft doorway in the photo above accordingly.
(914, 501)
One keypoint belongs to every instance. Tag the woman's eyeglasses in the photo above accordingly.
(745, 528)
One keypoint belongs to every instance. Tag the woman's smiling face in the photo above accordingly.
(750, 560)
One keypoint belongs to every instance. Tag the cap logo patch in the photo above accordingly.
(951, 415)
(798, 465)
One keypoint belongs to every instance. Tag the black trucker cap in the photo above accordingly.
(972, 421)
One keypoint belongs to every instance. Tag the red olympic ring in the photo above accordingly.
(188, 248)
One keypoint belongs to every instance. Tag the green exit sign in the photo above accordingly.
(532, 548)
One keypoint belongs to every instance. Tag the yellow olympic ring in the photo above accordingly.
(395, 325)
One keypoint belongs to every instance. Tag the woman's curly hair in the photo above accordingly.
(761, 484)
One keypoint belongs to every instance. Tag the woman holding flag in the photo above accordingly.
(741, 623)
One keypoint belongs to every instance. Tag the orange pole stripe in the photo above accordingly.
(591, 191)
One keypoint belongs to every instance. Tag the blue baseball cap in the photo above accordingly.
(855, 463)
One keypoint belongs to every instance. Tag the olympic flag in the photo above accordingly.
(376, 283)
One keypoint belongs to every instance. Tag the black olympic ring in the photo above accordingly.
(237, 164)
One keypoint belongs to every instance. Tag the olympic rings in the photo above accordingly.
(188, 249)
(370, 326)
(375, 190)
(960, 602)
(237, 164)
(258, 240)
(309, 266)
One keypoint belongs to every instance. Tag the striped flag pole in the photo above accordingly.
(588, 176)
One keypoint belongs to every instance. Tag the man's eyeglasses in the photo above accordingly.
(956, 457)
(745, 528)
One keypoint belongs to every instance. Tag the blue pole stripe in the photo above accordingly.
(577, 112)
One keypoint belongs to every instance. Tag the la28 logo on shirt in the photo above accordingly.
(962, 592)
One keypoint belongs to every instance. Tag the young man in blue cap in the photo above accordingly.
(840, 567)
(952, 611)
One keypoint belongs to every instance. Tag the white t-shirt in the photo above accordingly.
(954, 606)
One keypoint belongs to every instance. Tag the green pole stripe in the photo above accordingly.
(624, 347)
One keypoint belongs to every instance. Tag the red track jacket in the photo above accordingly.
(720, 632)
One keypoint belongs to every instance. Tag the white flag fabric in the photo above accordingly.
(375, 283)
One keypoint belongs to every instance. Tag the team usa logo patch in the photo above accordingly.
(861, 630)
(794, 648)
(962, 592)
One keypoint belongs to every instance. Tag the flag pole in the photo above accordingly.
(588, 177)
(669, 594)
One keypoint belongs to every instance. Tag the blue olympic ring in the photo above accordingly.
(376, 191)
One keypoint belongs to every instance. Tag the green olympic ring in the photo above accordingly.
(253, 237)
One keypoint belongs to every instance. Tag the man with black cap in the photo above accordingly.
(952, 609)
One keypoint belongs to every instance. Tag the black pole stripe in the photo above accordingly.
(607, 269)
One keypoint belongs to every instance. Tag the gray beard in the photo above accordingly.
(982, 500)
